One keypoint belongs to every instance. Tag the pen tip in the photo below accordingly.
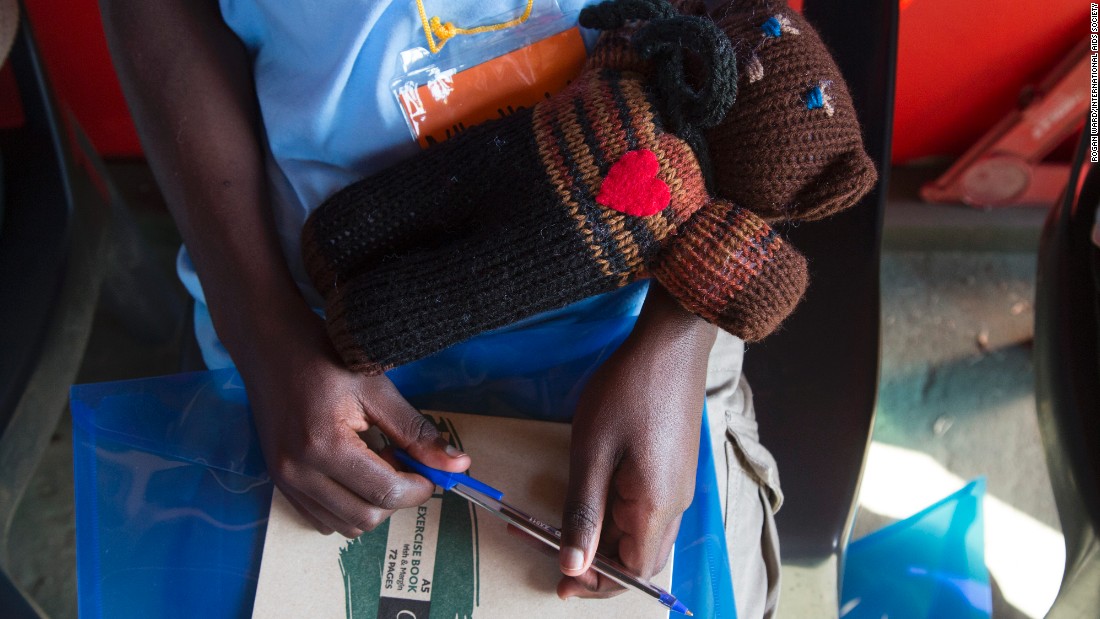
(690, 614)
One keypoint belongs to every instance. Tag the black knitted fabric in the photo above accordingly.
(423, 203)
(526, 257)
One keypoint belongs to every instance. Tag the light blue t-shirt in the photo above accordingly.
(324, 73)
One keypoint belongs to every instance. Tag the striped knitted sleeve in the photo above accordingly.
(728, 266)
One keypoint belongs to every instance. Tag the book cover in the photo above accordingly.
(445, 558)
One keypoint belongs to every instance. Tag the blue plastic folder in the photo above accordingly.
(172, 494)
(928, 566)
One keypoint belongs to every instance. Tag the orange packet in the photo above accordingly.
(457, 100)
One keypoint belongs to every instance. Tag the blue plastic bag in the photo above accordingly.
(172, 494)
(172, 497)
(928, 566)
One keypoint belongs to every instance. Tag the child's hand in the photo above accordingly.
(309, 410)
(634, 449)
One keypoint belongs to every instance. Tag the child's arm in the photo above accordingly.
(635, 445)
(188, 83)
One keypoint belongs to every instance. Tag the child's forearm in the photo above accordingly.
(188, 83)
(665, 324)
(187, 79)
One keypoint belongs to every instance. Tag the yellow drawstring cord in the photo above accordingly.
(447, 31)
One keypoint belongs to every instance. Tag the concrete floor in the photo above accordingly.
(956, 397)
(957, 387)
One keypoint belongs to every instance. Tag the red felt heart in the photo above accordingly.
(632, 186)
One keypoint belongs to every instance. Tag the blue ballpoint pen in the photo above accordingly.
(491, 499)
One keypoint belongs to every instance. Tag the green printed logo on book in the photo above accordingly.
(422, 563)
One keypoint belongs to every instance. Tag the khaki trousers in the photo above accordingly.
(748, 482)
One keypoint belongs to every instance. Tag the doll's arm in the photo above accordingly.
(728, 266)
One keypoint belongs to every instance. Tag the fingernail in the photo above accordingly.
(572, 558)
(453, 451)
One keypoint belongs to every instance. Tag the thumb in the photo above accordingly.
(412, 431)
(585, 501)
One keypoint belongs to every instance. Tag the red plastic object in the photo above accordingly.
(70, 37)
(961, 66)
(1005, 167)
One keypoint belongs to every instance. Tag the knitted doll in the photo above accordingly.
(791, 147)
(595, 187)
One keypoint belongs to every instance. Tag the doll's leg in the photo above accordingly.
(418, 303)
(425, 201)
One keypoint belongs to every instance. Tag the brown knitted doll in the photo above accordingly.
(602, 184)
(790, 149)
